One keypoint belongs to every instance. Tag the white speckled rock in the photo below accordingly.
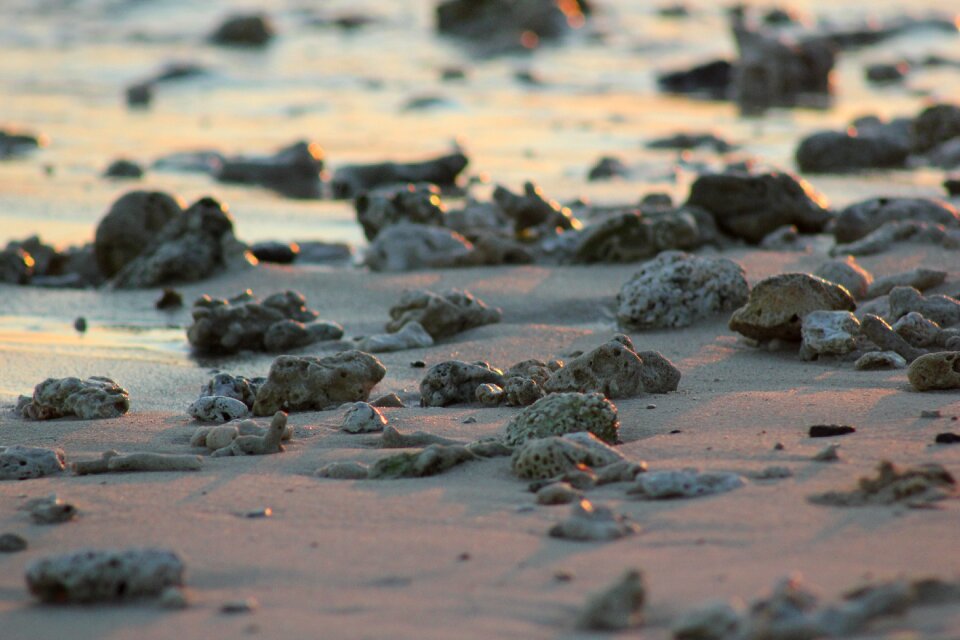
(362, 417)
(688, 483)
(18, 462)
(589, 522)
(544, 458)
(875, 360)
(828, 333)
(560, 413)
(217, 409)
(613, 369)
(98, 576)
(411, 336)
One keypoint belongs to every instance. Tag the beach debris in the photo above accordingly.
(632, 236)
(173, 598)
(490, 395)
(217, 409)
(12, 543)
(16, 266)
(830, 453)
(858, 220)
(104, 575)
(620, 471)
(236, 387)
(589, 522)
(785, 238)
(132, 222)
(828, 333)
(455, 381)
(124, 168)
(243, 30)
(169, 299)
(394, 439)
(91, 399)
(304, 383)
(942, 309)
(293, 171)
(915, 486)
(17, 143)
(441, 314)
(281, 321)
(715, 620)
(846, 272)
(31, 261)
(677, 289)
(685, 141)
(558, 493)
(489, 448)
(257, 445)
(361, 417)
(549, 457)
(342, 470)
(432, 460)
(882, 334)
(350, 181)
(777, 305)
(850, 150)
(616, 608)
(191, 246)
(751, 206)
(830, 430)
(409, 247)
(947, 437)
(49, 510)
(559, 413)
(116, 462)
(687, 483)
(220, 436)
(19, 462)
(888, 233)
(932, 371)
(389, 400)
(386, 206)
(773, 472)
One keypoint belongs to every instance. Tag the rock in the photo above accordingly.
(838, 152)
(887, 73)
(612, 369)
(173, 598)
(280, 322)
(607, 168)
(777, 305)
(304, 383)
(830, 453)
(830, 430)
(244, 605)
(786, 238)
(490, 395)
(684, 141)
(350, 181)
(616, 608)
(531, 210)
(848, 274)
(919, 331)
(317, 252)
(344, 471)
(113, 461)
(774, 472)
(293, 171)
(100, 576)
(914, 486)
(393, 439)
(408, 247)
(631, 236)
(828, 333)
(751, 206)
(558, 493)
(496, 26)
(712, 621)
(489, 448)
(249, 30)
(190, 247)
(217, 409)
(712, 79)
(389, 400)
(688, 483)
(214, 438)
(94, 398)
(237, 387)
(13, 143)
(50, 510)
(560, 413)
(433, 460)
(859, 219)
(361, 417)
(19, 462)
(945, 155)
(16, 266)
(658, 374)
(947, 438)
(941, 309)
(519, 392)
(275, 251)
(593, 523)
(169, 299)
(258, 445)
(12, 543)
(130, 225)
(932, 371)
(888, 233)
(881, 334)
(921, 279)
(934, 125)
(454, 381)
(442, 315)
(386, 206)
(123, 168)
(552, 456)
(677, 289)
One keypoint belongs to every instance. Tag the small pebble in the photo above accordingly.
(651, 406)
(562, 576)
(931, 414)
(246, 605)
(830, 430)
(80, 324)
(470, 420)
(418, 364)
(11, 543)
(676, 431)
(463, 557)
(170, 299)
(266, 512)
(779, 447)
(947, 438)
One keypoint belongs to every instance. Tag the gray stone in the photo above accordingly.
(560, 413)
(712, 621)
(497, 27)
(612, 369)
(616, 608)
(848, 274)
(941, 309)
(441, 314)
(393, 439)
(558, 493)
(548, 457)
(217, 409)
(19, 462)
(50, 510)
(238, 387)
(859, 219)
(939, 370)
(433, 460)
(844, 151)
(293, 171)
(130, 226)
(875, 360)
(593, 523)
(243, 30)
(882, 334)
(532, 213)
(409, 247)
(361, 417)
(919, 331)
(914, 486)
(454, 381)
(490, 395)
(94, 398)
(688, 483)
(657, 373)
(884, 237)
(12, 543)
(386, 206)
(350, 181)
(828, 333)
(520, 392)
(935, 124)
(344, 471)
(411, 336)
(920, 279)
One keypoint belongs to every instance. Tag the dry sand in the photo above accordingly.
(465, 554)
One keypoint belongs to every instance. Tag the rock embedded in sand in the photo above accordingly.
(217, 409)
(169, 299)
(247, 30)
(942, 309)
(612, 369)
(113, 461)
(454, 381)
(558, 493)
(845, 151)
(304, 383)
(777, 305)
(633, 236)
(393, 439)
(560, 413)
(432, 460)
(490, 395)
(934, 371)
(857, 220)
(293, 171)
(19, 462)
(258, 445)
(919, 331)
(441, 314)
(848, 274)
(913, 486)
(677, 289)
(751, 206)
(103, 576)
(362, 417)
(495, 26)
(947, 438)
(552, 456)
(238, 387)
(409, 247)
(935, 124)
(344, 471)
(593, 523)
(688, 483)
(717, 620)
(12, 543)
(123, 168)
(50, 510)
(132, 222)
(519, 391)
(617, 607)
(607, 168)
(350, 181)
(828, 333)
(386, 206)
(920, 279)
(94, 398)
(882, 334)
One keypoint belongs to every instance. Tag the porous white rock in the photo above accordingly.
(828, 333)
(90, 399)
(19, 462)
(687, 483)
(560, 413)
(362, 417)
(217, 409)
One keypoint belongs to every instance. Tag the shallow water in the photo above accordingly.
(64, 66)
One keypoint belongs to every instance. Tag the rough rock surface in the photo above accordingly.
(612, 369)
(751, 206)
(778, 304)
(882, 334)
(350, 181)
(920, 279)
(932, 371)
(848, 274)
(676, 289)
(414, 203)
(303, 383)
(18, 462)
(244, 30)
(633, 236)
(942, 309)
(441, 314)
(593, 523)
(531, 212)
(100, 576)
(362, 417)
(688, 483)
(411, 336)
(94, 398)
(837, 152)
(828, 333)
(217, 409)
(935, 124)
(552, 456)
(916, 486)
(560, 413)
(880, 360)
(434, 459)
(616, 608)
(519, 391)
(859, 219)
(238, 387)
(455, 381)
(129, 226)
(293, 171)
(408, 247)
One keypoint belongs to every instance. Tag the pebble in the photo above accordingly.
(880, 360)
(50, 510)
(12, 543)
(947, 438)
(246, 605)
(80, 324)
(169, 299)
(935, 413)
(558, 493)
(830, 430)
(593, 523)
(617, 607)
(362, 417)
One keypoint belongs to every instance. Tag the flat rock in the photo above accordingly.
(432, 460)
(350, 181)
(386, 206)
(688, 483)
(828, 333)
(409, 247)
(293, 171)
(920, 279)
(411, 336)
(362, 417)
(845, 151)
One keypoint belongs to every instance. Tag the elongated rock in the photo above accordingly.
(18, 462)
(94, 398)
(303, 383)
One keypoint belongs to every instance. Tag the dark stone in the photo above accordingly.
(15, 144)
(351, 180)
(123, 169)
(835, 152)
(131, 224)
(952, 186)
(293, 171)
(381, 208)
(712, 79)
(830, 430)
(608, 167)
(418, 364)
(12, 543)
(860, 218)
(935, 125)
(317, 252)
(16, 266)
(678, 10)
(170, 299)
(497, 26)
(253, 30)
(887, 73)
(532, 209)
(80, 324)
(179, 71)
(275, 251)
(683, 141)
(208, 162)
(140, 95)
(947, 438)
